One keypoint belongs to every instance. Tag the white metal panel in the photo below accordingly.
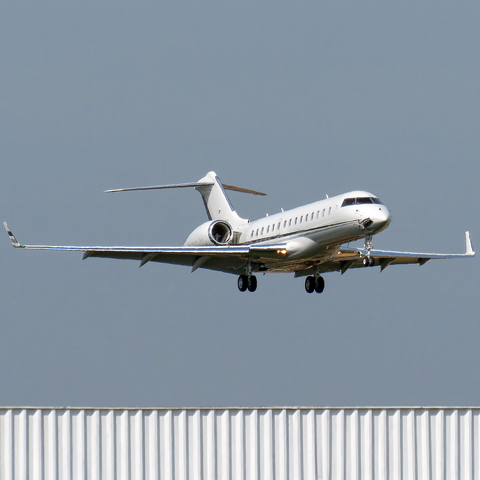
(64, 450)
(394, 445)
(423, 444)
(309, 457)
(194, 445)
(380, 442)
(295, 445)
(20, 449)
(78, 445)
(281, 445)
(352, 460)
(323, 437)
(266, 445)
(437, 427)
(366, 439)
(35, 444)
(107, 425)
(166, 445)
(240, 444)
(338, 445)
(409, 464)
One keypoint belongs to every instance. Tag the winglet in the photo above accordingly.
(468, 242)
(12, 236)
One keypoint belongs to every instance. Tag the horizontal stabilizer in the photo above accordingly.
(242, 190)
(186, 185)
(160, 187)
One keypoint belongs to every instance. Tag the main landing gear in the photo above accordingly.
(316, 283)
(247, 282)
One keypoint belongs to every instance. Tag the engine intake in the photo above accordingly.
(220, 232)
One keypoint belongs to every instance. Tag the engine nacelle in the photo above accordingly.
(218, 232)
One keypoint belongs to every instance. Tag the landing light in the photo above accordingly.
(282, 252)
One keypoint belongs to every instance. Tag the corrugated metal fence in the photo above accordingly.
(240, 443)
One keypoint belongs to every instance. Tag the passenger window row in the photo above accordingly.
(271, 228)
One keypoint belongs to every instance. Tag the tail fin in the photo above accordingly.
(217, 204)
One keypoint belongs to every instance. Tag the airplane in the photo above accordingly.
(308, 241)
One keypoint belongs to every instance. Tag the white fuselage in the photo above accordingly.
(319, 224)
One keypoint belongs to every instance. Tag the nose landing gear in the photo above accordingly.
(368, 261)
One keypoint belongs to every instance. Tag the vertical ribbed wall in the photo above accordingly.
(240, 444)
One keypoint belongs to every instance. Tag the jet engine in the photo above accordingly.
(218, 232)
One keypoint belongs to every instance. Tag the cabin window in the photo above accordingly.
(296, 218)
(318, 214)
(301, 219)
(268, 228)
(251, 236)
(278, 226)
(323, 213)
(329, 210)
(261, 232)
(285, 224)
(256, 233)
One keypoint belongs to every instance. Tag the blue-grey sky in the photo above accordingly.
(298, 99)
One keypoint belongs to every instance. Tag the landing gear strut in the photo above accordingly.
(247, 282)
(368, 261)
(314, 283)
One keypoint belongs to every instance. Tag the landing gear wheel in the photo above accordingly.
(242, 283)
(368, 262)
(310, 284)
(319, 284)
(252, 283)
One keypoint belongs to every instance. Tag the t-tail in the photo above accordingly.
(217, 204)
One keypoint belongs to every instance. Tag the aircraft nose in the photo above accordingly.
(382, 218)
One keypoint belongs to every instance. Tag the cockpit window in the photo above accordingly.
(360, 201)
(348, 201)
(363, 200)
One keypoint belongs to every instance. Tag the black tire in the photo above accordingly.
(242, 283)
(366, 262)
(372, 262)
(252, 283)
(319, 284)
(310, 284)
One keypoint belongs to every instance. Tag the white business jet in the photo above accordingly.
(308, 240)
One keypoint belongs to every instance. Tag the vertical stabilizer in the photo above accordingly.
(217, 204)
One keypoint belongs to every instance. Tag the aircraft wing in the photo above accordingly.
(194, 256)
(347, 258)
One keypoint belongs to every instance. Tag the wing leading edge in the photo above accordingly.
(177, 255)
(347, 258)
